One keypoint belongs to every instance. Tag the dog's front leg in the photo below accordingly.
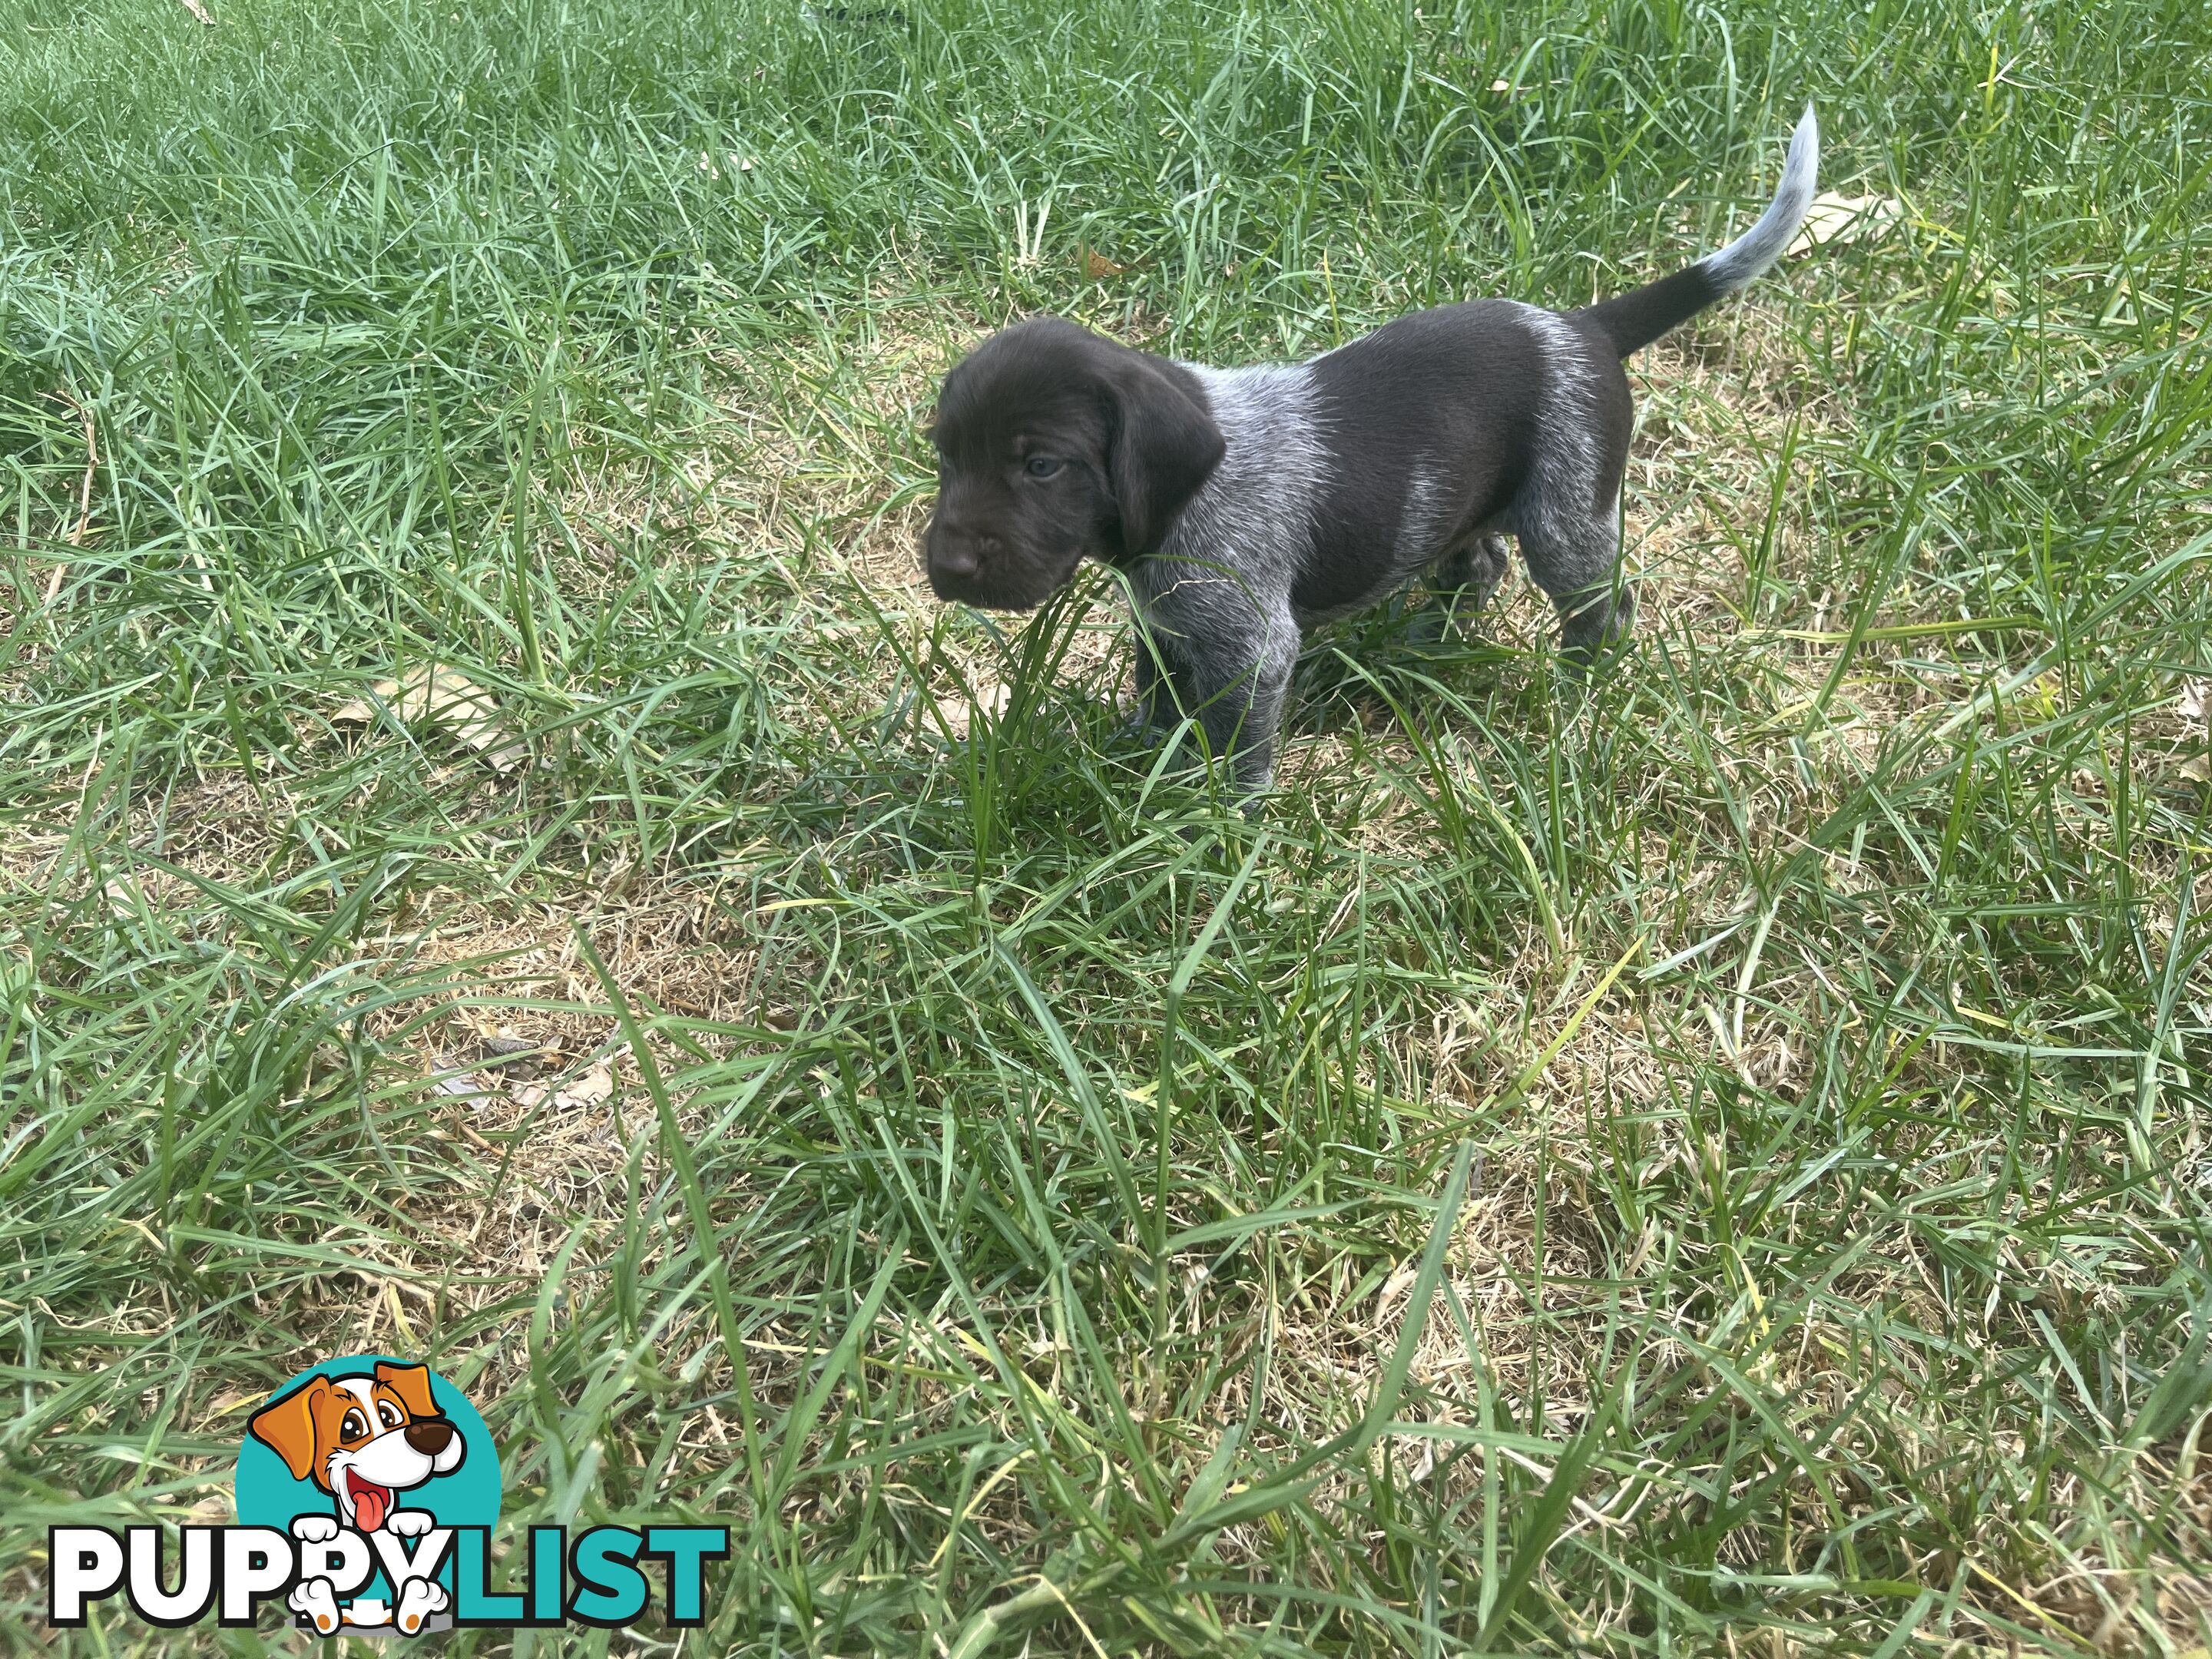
(1249, 737)
(1155, 706)
(1234, 681)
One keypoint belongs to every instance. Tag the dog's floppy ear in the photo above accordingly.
(287, 1427)
(1165, 445)
(412, 1384)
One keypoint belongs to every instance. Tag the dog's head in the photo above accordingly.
(1054, 444)
(362, 1439)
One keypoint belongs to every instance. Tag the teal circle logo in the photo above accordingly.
(366, 1461)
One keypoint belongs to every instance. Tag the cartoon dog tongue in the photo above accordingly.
(370, 1502)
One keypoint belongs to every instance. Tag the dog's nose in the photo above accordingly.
(950, 556)
(429, 1434)
(957, 542)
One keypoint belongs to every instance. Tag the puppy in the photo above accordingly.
(364, 1440)
(1247, 505)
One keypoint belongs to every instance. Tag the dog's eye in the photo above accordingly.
(388, 1414)
(1042, 467)
(354, 1426)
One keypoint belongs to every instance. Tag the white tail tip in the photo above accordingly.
(1739, 263)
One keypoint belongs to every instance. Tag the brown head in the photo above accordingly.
(1054, 445)
(323, 1417)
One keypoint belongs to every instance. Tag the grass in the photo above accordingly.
(1712, 1163)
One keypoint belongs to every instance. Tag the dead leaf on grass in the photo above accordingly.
(511, 1055)
(1833, 219)
(2194, 708)
(463, 1086)
(1096, 266)
(958, 712)
(589, 1089)
(1396, 1285)
(2195, 705)
(455, 703)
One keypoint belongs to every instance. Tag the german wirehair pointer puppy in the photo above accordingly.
(1246, 505)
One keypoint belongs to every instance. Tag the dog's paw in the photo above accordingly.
(315, 1529)
(1135, 726)
(420, 1599)
(1596, 633)
(313, 1600)
(410, 1524)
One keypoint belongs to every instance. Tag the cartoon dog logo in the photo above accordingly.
(364, 1440)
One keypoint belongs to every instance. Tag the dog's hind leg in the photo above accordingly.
(1576, 559)
(1468, 577)
(1567, 511)
(1567, 518)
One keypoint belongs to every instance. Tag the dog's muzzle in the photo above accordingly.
(955, 557)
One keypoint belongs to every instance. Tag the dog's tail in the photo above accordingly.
(1633, 321)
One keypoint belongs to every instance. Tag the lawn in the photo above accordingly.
(1710, 1160)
